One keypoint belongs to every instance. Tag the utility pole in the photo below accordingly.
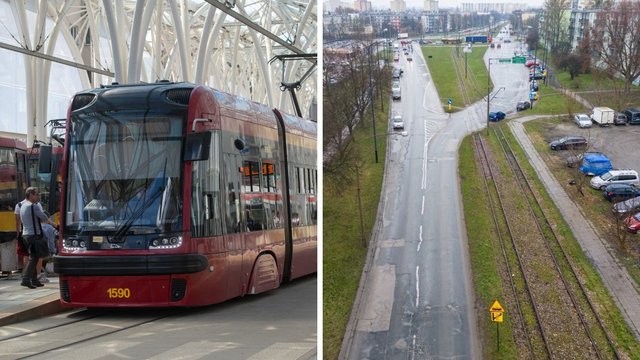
(373, 109)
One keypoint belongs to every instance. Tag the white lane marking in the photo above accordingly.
(417, 286)
(413, 348)
(422, 212)
(420, 242)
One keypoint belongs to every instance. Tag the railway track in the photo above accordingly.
(77, 328)
(554, 316)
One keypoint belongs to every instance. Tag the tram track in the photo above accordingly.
(544, 282)
(87, 327)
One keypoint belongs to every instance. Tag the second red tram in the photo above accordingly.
(176, 194)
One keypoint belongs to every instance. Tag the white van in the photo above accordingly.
(615, 177)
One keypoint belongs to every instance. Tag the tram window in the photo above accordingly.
(251, 176)
(233, 220)
(7, 157)
(206, 207)
(268, 177)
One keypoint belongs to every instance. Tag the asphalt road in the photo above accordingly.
(280, 324)
(417, 301)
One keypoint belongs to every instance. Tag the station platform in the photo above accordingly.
(19, 303)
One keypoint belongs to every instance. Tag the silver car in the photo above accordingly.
(582, 120)
(397, 122)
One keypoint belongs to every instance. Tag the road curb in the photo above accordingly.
(44, 306)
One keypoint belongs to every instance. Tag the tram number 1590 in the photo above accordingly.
(119, 293)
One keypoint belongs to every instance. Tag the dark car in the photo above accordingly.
(627, 206)
(536, 76)
(568, 142)
(523, 105)
(397, 73)
(619, 192)
(496, 116)
(633, 116)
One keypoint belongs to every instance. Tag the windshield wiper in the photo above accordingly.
(127, 225)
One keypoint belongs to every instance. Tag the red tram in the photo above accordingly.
(176, 194)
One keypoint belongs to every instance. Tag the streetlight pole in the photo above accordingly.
(488, 94)
(373, 109)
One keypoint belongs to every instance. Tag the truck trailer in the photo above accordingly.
(476, 39)
(603, 116)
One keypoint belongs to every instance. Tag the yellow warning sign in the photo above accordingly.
(497, 312)
(496, 307)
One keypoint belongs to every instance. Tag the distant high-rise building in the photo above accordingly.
(362, 5)
(398, 5)
(332, 5)
(430, 5)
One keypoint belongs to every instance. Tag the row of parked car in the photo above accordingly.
(617, 185)
(605, 116)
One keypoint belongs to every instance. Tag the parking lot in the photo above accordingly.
(621, 144)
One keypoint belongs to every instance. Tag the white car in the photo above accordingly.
(397, 122)
(582, 120)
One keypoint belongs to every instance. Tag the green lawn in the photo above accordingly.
(446, 73)
(343, 257)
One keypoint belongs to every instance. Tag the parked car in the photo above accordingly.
(496, 116)
(582, 120)
(409, 58)
(523, 105)
(633, 223)
(397, 122)
(627, 206)
(595, 164)
(615, 177)
(536, 75)
(618, 192)
(534, 85)
(531, 63)
(633, 116)
(396, 73)
(568, 142)
(619, 119)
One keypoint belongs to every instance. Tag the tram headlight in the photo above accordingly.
(166, 242)
(74, 244)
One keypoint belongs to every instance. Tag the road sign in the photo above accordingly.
(497, 312)
(450, 101)
(504, 60)
(518, 60)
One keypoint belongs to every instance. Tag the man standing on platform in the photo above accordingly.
(31, 216)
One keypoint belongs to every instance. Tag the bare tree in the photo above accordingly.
(584, 52)
(572, 63)
(616, 39)
(554, 18)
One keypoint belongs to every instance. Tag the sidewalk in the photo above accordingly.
(19, 303)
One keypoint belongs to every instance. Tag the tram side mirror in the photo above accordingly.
(196, 146)
(44, 160)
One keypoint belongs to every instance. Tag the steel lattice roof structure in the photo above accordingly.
(225, 44)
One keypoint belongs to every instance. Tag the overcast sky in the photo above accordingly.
(385, 4)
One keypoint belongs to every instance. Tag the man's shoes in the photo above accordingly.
(37, 283)
(28, 284)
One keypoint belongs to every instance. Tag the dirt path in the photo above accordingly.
(621, 286)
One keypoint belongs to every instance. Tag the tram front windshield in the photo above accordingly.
(123, 175)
